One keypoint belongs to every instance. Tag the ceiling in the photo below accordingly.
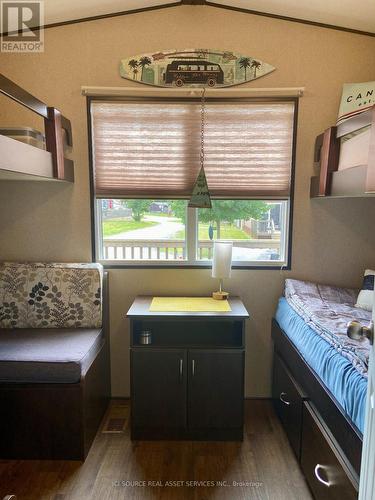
(353, 14)
(68, 10)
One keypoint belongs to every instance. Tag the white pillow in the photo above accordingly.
(366, 295)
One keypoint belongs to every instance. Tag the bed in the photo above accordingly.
(320, 383)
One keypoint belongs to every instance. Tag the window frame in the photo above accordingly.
(191, 232)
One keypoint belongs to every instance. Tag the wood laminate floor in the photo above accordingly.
(262, 467)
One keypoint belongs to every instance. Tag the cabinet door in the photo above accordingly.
(158, 388)
(215, 389)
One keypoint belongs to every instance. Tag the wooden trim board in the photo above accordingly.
(208, 4)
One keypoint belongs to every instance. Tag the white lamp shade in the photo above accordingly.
(222, 260)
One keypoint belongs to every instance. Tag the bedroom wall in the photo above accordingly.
(333, 240)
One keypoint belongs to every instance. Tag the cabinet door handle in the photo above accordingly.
(193, 367)
(317, 475)
(283, 400)
(181, 368)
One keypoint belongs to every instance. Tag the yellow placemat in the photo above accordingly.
(189, 304)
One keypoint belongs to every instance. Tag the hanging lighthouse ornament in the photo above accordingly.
(200, 197)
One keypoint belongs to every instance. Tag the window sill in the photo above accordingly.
(262, 265)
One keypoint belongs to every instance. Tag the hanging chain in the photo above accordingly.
(203, 110)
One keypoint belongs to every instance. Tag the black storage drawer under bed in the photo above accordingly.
(328, 476)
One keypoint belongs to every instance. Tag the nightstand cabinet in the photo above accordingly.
(188, 383)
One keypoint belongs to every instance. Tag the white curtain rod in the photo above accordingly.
(192, 92)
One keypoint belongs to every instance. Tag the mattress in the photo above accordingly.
(355, 149)
(346, 384)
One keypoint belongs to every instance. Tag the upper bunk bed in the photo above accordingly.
(46, 162)
(346, 160)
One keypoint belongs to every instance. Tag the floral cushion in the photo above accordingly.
(39, 295)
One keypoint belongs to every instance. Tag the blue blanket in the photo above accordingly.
(328, 310)
(343, 381)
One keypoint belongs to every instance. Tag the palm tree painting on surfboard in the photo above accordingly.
(247, 62)
(193, 68)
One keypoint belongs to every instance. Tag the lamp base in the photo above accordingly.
(220, 295)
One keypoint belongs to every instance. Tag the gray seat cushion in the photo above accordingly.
(57, 355)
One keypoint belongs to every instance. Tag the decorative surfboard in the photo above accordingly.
(193, 68)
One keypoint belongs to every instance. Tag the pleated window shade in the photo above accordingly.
(151, 149)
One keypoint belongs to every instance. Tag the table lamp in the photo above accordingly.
(221, 266)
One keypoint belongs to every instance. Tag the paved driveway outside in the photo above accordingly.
(167, 227)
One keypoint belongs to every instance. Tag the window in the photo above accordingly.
(142, 230)
(146, 160)
(256, 228)
(156, 230)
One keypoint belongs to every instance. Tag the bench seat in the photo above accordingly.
(44, 355)
(54, 359)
